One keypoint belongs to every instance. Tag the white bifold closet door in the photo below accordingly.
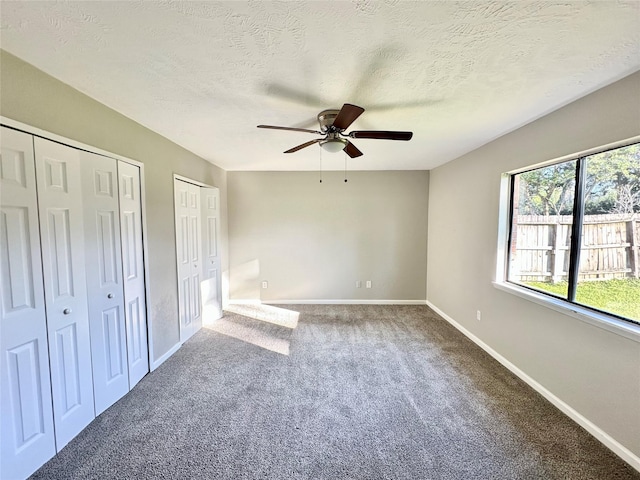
(133, 271)
(73, 328)
(26, 422)
(104, 280)
(197, 211)
(63, 247)
(211, 290)
(115, 283)
(189, 252)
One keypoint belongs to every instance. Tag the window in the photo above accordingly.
(575, 231)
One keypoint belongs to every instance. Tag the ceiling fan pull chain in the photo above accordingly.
(320, 165)
(345, 167)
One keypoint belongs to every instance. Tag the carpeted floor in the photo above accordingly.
(359, 392)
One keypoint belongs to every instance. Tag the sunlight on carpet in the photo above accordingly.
(267, 313)
(258, 325)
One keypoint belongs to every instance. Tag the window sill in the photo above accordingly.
(600, 320)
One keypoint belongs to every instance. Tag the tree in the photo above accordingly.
(612, 185)
(548, 190)
(613, 181)
(628, 201)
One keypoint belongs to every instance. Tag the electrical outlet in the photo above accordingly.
(478, 315)
(368, 283)
(265, 284)
(358, 284)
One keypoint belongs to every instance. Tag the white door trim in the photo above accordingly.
(38, 132)
(192, 181)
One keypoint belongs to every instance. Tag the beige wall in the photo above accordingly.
(34, 98)
(594, 371)
(312, 241)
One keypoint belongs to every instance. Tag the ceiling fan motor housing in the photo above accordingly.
(326, 118)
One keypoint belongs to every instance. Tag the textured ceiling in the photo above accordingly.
(204, 74)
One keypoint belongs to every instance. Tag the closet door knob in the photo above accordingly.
(66, 311)
(110, 295)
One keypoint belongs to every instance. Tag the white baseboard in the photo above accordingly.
(607, 440)
(338, 301)
(163, 358)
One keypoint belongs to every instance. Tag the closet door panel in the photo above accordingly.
(133, 271)
(183, 251)
(26, 423)
(63, 254)
(195, 253)
(104, 279)
(211, 290)
(189, 253)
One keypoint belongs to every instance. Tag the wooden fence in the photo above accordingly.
(540, 247)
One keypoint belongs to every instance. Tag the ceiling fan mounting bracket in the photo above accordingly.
(333, 136)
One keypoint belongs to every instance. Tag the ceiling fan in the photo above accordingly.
(333, 123)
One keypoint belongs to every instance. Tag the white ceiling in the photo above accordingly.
(204, 74)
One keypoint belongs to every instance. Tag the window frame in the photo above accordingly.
(608, 321)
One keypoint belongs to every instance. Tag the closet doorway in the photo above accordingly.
(197, 219)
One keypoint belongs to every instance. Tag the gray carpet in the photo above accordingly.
(365, 392)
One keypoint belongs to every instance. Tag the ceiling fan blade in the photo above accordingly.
(304, 145)
(381, 134)
(347, 115)
(352, 150)
(291, 128)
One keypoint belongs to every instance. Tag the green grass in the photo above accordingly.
(621, 297)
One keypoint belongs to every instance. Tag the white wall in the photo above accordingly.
(312, 241)
(594, 371)
(34, 98)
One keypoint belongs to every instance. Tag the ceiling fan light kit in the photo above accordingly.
(333, 145)
(333, 123)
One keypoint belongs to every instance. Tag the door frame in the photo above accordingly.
(197, 183)
(38, 132)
